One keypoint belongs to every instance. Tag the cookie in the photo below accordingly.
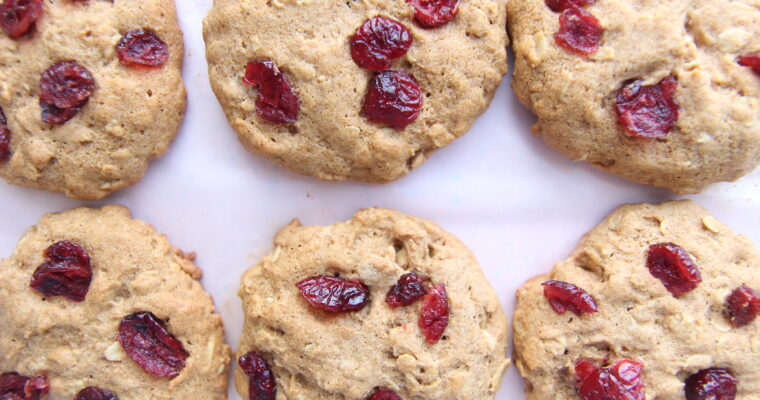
(657, 301)
(660, 93)
(408, 311)
(354, 90)
(87, 106)
(92, 298)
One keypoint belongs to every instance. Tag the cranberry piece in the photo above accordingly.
(673, 266)
(19, 16)
(565, 296)
(66, 84)
(751, 60)
(142, 47)
(378, 41)
(621, 381)
(334, 294)
(261, 383)
(743, 305)
(562, 5)
(647, 111)
(579, 31)
(383, 394)
(711, 384)
(95, 393)
(66, 272)
(434, 315)
(18, 387)
(54, 115)
(277, 101)
(409, 288)
(393, 99)
(147, 342)
(434, 13)
(5, 138)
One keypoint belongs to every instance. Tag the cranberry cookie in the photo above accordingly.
(99, 306)
(661, 93)
(90, 92)
(354, 89)
(384, 306)
(658, 301)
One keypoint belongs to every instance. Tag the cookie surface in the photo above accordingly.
(458, 67)
(673, 337)
(131, 117)
(319, 355)
(75, 344)
(716, 136)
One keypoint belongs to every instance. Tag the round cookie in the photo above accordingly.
(78, 344)
(131, 116)
(315, 354)
(672, 337)
(707, 131)
(458, 67)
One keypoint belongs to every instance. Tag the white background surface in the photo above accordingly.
(517, 204)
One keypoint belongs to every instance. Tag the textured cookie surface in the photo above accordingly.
(638, 319)
(717, 135)
(458, 67)
(131, 117)
(75, 343)
(316, 355)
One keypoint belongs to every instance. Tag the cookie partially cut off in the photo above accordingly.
(409, 313)
(668, 322)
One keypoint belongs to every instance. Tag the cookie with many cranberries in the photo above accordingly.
(649, 287)
(110, 293)
(354, 306)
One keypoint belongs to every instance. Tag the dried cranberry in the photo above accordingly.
(565, 296)
(674, 267)
(409, 288)
(334, 294)
(142, 47)
(434, 13)
(579, 31)
(18, 387)
(711, 384)
(378, 41)
(261, 383)
(621, 381)
(277, 101)
(434, 315)
(393, 99)
(383, 394)
(54, 115)
(562, 5)
(19, 16)
(751, 60)
(147, 342)
(743, 306)
(66, 272)
(95, 393)
(647, 111)
(5, 138)
(66, 84)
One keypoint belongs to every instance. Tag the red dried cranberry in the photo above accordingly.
(409, 288)
(95, 393)
(647, 111)
(674, 267)
(434, 315)
(5, 138)
(743, 306)
(66, 272)
(378, 41)
(711, 384)
(434, 13)
(147, 342)
(579, 31)
(384, 394)
(393, 99)
(277, 101)
(19, 16)
(334, 294)
(752, 61)
(54, 115)
(562, 5)
(18, 387)
(621, 381)
(565, 296)
(261, 383)
(66, 84)
(142, 47)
